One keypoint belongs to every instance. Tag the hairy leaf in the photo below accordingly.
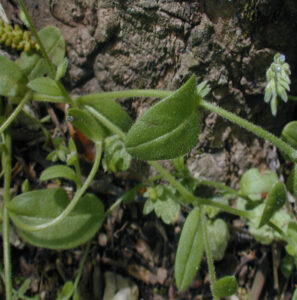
(275, 200)
(190, 250)
(168, 129)
(42, 206)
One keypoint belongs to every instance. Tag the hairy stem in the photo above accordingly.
(6, 165)
(91, 98)
(257, 130)
(72, 203)
(14, 114)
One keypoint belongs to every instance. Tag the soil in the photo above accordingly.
(113, 45)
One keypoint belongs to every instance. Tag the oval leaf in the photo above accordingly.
(225, 287)
(190, 250)
(33, 64)
(41, 206)
(275, 200)
(12, 80)
(218, 234)
(58, 171)
(168, 129)
(86, 124)
(253, 183)
(45, 85)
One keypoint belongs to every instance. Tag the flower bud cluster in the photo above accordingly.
(16, 38)
(278, 81)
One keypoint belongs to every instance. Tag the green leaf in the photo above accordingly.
(41, 206)
(225, 287)
(218, 234)
(110, 109)
(45, 85)
(24, 287)
(275, 200)
(162, 199)
(190, 250)
(289, 134)
(85, 122)
(287, 266)
(34, 65)
(58, 171)
(253, 183)
(168, 129)
(62, 68)
(12, 80)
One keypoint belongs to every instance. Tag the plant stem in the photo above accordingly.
(209, 257)
(197, 200)
(32, 28)
(217, 185)
(187, 194)
(6, 165)
(72, 203)
(44, 53)
(113, 128)
(294, 98)
(14, 114)
(47, 98)
(91, 98)
(257, 130)
(80, 270)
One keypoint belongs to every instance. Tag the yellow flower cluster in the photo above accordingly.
(16, 38)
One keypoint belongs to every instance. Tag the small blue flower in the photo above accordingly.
(282, 58)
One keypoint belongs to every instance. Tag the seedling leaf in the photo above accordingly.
(275, 200)
(58, 171)
(168, 129)
(190, 250)
(225, 287)
(41, 206)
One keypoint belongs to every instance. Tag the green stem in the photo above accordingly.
(257, 130)
(113, 128)
(14, 114)
(92, 98)
(72, 203)
(80, 270)
(6, 165)
(197, 200)
(47, 98)
(32, 28)
(167, 175)
(217, 185)
(209, 257)
(44, 53)
(294, 98)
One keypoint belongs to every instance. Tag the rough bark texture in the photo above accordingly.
(159, 44)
